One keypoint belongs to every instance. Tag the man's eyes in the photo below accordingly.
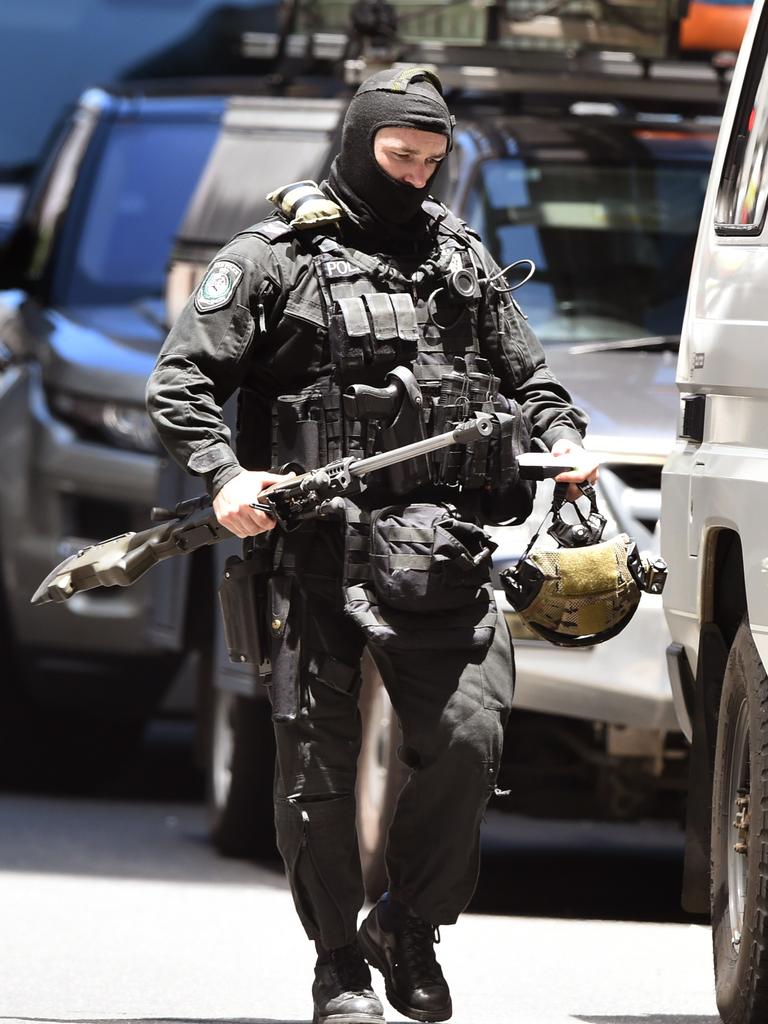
(411, 156)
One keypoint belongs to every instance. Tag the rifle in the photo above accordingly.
(121, 560)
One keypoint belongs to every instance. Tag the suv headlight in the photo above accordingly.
(124, 425)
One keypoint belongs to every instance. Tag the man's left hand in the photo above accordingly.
(586, 466)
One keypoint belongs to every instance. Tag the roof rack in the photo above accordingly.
(621, 49)
(638, 26)
(604, 75)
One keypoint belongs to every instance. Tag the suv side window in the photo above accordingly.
(741, 199)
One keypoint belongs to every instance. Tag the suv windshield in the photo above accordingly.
(613, 243)
(136, 198)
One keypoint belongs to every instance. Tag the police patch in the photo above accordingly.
(218, 286)
(336, 269)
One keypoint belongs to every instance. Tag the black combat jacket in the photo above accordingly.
(270, 339)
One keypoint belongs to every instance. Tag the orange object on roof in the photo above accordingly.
(714, 27)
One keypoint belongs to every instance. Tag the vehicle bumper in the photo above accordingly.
(67, 493)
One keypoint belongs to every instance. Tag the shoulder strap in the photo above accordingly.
(444, 217)
(450, 224)
(434, 209)
(276, 229)
(270, 230)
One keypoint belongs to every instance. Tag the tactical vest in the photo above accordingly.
(377, 318)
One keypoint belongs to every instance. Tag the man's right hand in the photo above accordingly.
(232, 504)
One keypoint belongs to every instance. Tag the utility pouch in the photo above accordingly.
(309, 429)
(375, 329)
(243, 598)
(483, 387)
(509, 499)
(335, 429)
(298, 430)
(451, 407)
(424, 558)
(468, 388)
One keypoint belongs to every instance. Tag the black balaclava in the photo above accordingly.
(411, 98)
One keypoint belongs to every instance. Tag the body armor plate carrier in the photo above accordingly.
(378, 319)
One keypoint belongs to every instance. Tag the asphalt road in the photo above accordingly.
(114, 908)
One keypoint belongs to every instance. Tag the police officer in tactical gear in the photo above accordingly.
(368, 281)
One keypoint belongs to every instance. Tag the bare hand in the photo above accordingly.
(586, 469)
(232, 504)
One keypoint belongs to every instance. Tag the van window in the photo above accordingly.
(741, 200)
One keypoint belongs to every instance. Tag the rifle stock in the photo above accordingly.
(121, 560)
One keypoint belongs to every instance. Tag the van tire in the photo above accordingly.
(739, 895)
(240, 766)
(380, 777)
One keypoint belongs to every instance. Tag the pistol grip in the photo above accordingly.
(361, 401)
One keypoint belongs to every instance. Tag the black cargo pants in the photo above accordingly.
(452, 707)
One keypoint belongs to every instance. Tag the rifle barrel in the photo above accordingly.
(464, 433)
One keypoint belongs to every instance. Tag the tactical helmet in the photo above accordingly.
(581, 595)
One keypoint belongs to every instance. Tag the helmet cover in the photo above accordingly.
(577, 597)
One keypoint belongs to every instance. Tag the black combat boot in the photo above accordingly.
(401, 946)
(342, 990)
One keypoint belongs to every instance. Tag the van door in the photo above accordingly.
(723, 351)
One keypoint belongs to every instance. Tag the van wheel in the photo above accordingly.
(380, 777)
(739, 845)
(239, 774)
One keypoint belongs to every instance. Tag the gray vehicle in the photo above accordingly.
(82, 317)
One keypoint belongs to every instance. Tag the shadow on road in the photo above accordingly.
(161, 1020)
(150, 823)
(653, 1018)
(175, 1020)
(147, 823)
(162, 767)
(581, 869)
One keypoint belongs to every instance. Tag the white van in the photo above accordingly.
(715, 539)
